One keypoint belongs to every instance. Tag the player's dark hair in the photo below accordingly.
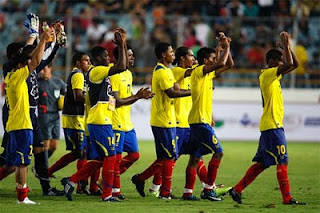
(203, 53)
(273, 54)
(13, 49)
(116, 51)
(20, 58)
(160, 48)
(95, 52)
(181, 51)
(29, 49)
(77, 57)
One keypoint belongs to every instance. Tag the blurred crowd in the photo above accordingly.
(253, 26)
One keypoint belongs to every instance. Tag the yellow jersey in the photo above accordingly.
(99, 91)
(18, 100)
(201, 94)
(122, 83)
(162, 107)
(182, 105)
(73, 111)
(272, 100)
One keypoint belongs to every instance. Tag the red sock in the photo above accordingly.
(167, 170)
(81, 163)
(22, 193)
(283, 179)
(3, 173)
(251, 174)
(116, 181)
(150, 171)
(202, 172)
(191, 174)
(213, 170)
(86, 171)
(108, 175)
(157, 177)
(62, 162)
(94, 181)
(128, 160)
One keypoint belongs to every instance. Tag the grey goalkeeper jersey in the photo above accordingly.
(49, 93)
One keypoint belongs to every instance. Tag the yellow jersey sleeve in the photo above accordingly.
(98, 73)
(164, 78)
(77, 81)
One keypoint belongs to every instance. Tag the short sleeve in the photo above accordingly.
(97, 74)
(77, 81)
(270, 75)
(165, 79)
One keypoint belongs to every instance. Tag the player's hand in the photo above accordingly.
(123, 33)
(118, 38)
(284, 38)
(47, 35)
(32, 24)
(144, 93)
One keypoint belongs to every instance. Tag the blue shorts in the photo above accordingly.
(101, 141)
(272, 148)
(126, 141)
(183, 136)
(37, 135)
(74, 139)
(19, 147)
(203, 140)
(165, 141)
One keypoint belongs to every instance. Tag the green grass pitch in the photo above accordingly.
(263, 195)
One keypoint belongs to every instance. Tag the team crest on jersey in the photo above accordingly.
(56, 93)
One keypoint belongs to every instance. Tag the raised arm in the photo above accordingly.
(288, 63)
(120, 40)
(224, 42)
(37, 54)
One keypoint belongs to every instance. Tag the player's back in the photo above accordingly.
(122, 83)
(201, 93)
(18, 100)
(162, 107)
(272, 100)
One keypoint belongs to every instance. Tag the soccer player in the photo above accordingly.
(184, 59)
(51, 89)
(203, 139)
(102, 145)
(272, 148)
(125, 135)
(19, 125)
(73, 112)
(40, 154)
(163, 121)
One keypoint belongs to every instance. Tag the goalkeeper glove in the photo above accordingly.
(60, 33)
(32, 24)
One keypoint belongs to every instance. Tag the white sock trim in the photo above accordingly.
(154, 187)
(188, 190)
